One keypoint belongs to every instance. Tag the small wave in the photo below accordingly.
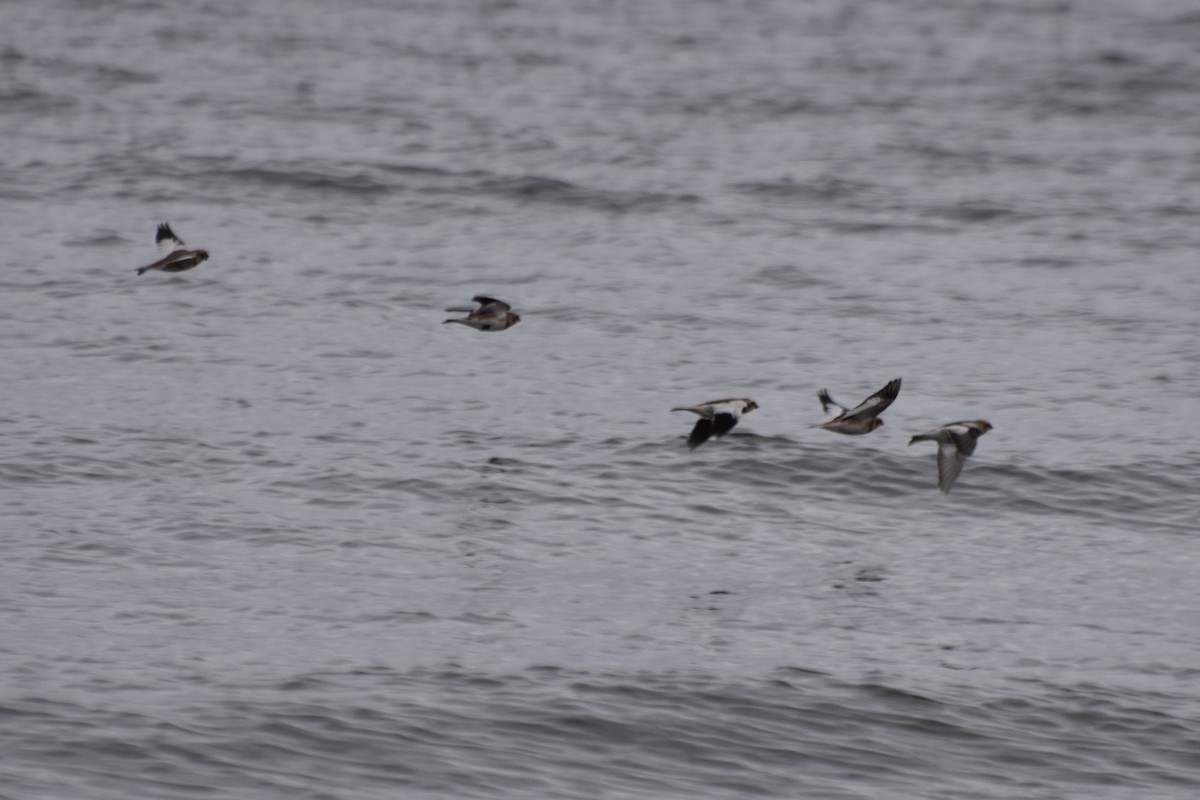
(976, 212)
(1152, 496)
(31, 101)
(100, 240)
(821, 191)
(535, 189)
(355, 183)
(548, 731)
(788, 275)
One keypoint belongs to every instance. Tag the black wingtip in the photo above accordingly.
(701, 433)
(164, 232)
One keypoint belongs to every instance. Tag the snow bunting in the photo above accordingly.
(864, 418)
(717, 418)
(492, 315)
(175, 255)
(955, 442)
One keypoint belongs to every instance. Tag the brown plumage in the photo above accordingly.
(492, 315)
(176, 258)
(864, 417)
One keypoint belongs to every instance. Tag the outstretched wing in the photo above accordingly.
(490, 305)
(701, 433)
(874, 405)
(719, 425)
(827, 401)
(166, 239)
(950, 462)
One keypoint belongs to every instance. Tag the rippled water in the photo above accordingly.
(272, 530)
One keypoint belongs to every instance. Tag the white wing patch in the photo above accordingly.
(875, 405)
(167, 241)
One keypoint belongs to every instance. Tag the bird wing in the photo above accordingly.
(167, 241)
(490, 305)
(950, 462)
(717, 418)
(723, 423)
(827, 401)
(874, 405)
(964, 440)
(700, 433)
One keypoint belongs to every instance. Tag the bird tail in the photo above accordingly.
(920, 437)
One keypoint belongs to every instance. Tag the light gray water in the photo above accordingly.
(271, 530)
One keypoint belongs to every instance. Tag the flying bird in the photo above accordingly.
(492, 314)
(717, 418)
(864, 417)
(175, 255)
(955, 441)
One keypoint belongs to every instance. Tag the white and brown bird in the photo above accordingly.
(717, 418)
(955, 441)
(492, 314)
(175, 255)
(864, 417)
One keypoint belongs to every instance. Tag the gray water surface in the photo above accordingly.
(272, 530)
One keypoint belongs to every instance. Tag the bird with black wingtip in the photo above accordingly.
(717, 418)
(864, 417)
(491, 315)
(176, 257)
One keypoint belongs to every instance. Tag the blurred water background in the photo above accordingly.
(271, 530)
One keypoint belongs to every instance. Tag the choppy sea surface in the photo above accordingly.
(271, 530)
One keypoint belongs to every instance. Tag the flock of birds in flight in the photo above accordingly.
(955, 440)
